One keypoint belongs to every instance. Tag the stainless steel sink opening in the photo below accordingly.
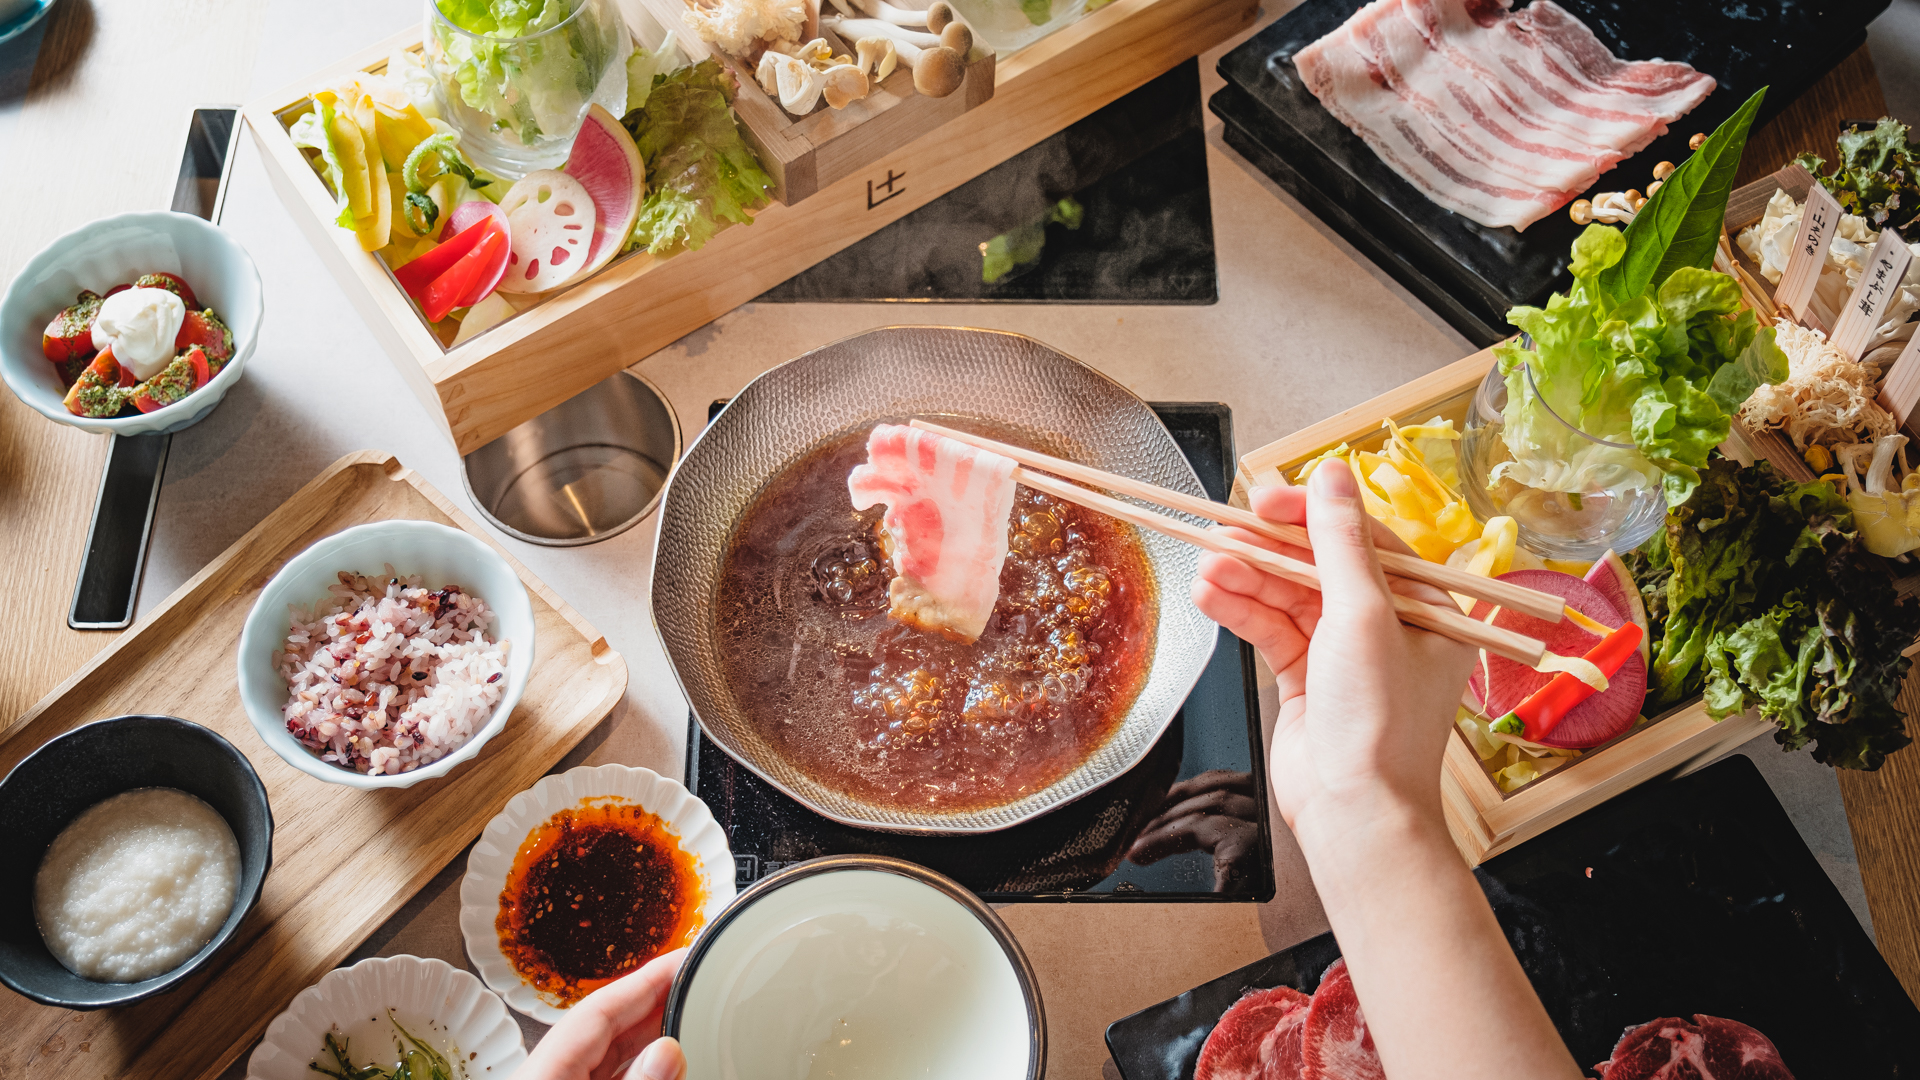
(589, 468)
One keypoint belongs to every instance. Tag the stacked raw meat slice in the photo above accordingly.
(1283, 1034)
(1500, 116)
(1710, 1048)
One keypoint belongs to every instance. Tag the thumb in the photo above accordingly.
(1350, 575)
(661, 1060)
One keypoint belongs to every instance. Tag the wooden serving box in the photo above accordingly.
(578, 335)
(1483, 819)
(804, 154)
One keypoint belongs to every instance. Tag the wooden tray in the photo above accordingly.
(1483, 819)
(806, 153)
(640, 304)
(343, 860)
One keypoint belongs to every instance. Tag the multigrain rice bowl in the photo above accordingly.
(386, 675)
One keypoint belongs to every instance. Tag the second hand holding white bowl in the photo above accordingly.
(113, 250)
(444, 556)
(492, 859)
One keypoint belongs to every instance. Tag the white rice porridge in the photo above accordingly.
(136, 885)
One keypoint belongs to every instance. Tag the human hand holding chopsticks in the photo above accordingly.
(1331, 648)
(1365, 707)
(615, 1025)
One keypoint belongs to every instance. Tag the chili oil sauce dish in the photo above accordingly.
(858, 965)
(585, 877)
(377, 1008)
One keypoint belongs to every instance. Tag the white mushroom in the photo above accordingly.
(938, 69)
(797, 84)
(876, 54)
(844, 83)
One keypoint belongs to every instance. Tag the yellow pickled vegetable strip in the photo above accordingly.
(354, 178)
(1591, 626)
(1577, 666)
(376, 228)
(399, 131)
(1495, 556)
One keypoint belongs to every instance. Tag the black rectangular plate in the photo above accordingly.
(1137, 167)
(1482, 272)
(1679, 897)
(1078, 851)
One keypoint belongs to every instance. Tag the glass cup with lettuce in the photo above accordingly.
(515, 77)
(1603, 413)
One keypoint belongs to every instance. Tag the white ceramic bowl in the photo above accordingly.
(492, 858)
(444, 1007)
(103, 254)
(858, 965)
(444, 556)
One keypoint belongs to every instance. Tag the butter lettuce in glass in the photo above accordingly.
(514, 77)
(1660, 374)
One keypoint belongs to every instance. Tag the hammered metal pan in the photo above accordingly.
(1033, 394)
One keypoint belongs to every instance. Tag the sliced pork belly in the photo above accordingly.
(948, 506)
(1501, 117)
(1356, 93)
(1547, 65)
(1474, 122)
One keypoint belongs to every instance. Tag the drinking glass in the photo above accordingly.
(1573, 525)
(1006, 25)
(517, 102)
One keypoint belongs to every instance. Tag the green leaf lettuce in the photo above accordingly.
(700, 172)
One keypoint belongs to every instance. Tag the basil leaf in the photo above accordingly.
(1680, 225)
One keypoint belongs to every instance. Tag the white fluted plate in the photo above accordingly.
(492, 858)
(443, 1006)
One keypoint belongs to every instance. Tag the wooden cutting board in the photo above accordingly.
(343, 860)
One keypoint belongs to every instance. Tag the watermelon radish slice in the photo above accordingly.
(469, 212)
(607, 163)
(1334, 1042)
(1257, 1039)
(1502, 684)
(1610, 575)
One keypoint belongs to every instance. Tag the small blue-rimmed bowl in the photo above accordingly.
(113, 251)
(443, 556)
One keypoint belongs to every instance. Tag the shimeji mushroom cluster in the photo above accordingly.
(933, 44)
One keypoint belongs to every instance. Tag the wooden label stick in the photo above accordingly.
(1879, 283)
(1900, 390)
(1818, 219)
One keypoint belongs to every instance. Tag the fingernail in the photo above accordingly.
(660, 1060)
(1333, 480)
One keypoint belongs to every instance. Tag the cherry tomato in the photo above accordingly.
(202, 374)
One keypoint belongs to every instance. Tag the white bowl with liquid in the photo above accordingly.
(858, 966)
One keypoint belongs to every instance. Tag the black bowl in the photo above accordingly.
(84, 766)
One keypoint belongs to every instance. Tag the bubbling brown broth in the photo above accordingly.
(913, 720)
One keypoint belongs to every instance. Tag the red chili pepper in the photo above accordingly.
(418, 274)
(1535, 718)
(463, 278)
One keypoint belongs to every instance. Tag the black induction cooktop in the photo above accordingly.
(1207, 767)
(1111, 210)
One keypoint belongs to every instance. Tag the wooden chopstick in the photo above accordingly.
(1445, 620)
(1501, 593)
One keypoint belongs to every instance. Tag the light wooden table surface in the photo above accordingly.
(134, 69)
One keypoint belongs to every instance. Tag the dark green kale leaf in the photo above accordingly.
(1763, 596)
(1877, 175)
